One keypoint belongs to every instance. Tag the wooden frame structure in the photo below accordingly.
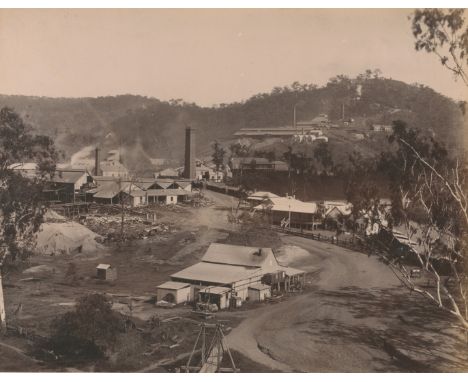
(211, 356)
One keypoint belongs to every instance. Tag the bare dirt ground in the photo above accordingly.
(33, 300)
(354, 318)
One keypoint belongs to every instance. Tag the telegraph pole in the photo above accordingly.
(2, 300)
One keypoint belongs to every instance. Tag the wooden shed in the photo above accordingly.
(259, 292)
(216, 295)
(174, 292)
(106, 272)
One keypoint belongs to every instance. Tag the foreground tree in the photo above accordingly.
(21, 206)
(218, 155)
(445, 34)
(429, 199)
(89, 331)
(429, 205)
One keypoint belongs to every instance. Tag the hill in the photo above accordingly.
(150, 128)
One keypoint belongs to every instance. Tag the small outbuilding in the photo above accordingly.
(174, 292)
(216, 295)
(106, 272)
(259, 292)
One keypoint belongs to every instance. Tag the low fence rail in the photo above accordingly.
(354, 243)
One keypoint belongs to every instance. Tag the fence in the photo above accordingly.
(354, 243)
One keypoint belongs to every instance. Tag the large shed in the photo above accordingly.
(231, 266)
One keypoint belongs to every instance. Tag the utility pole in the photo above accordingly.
(294, 118)
(2, 300)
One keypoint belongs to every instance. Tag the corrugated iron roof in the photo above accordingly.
(175, 285)
(237, 255)
(167, 191)
(216, 273)
(261, 195)
(216, 290)
(259, 286)
(109, 190)
(290, 204)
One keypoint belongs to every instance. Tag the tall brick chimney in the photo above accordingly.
(189, 168)
(97, 170)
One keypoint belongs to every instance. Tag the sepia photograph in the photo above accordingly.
(233, 190)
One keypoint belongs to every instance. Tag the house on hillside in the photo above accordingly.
(240, 165)
(382, 128)
(284, 132)
(226, 273)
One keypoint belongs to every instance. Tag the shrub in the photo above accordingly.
(89, 331)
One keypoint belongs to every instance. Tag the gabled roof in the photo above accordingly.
(259, 286)
(238, 255)
(173, 285)
(162, 183)
(293, 205)
(145, 183)
(183, 183)
(216, 273)
(168, 172)
(262, 195)
(343, 208)
(103, 266)
(109, 190)
(167, 191)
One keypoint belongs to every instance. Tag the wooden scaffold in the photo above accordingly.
(211, 356)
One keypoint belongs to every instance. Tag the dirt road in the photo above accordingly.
(342, 324)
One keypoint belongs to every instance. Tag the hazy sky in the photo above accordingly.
(204, 56)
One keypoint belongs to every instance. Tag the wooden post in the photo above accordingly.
(2, 308)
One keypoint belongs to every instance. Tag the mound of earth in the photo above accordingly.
(66, 238)
(40, 270)
(290, 254)
(52, 216)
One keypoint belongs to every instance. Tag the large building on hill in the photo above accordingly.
(243, 164)
(277, 132)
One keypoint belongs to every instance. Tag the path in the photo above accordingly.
(339, 325)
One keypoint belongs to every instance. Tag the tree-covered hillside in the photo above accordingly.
(155, 128)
